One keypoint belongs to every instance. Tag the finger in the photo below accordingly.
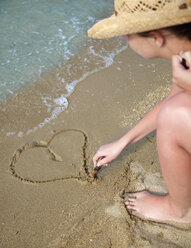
(96, 158)
(98, 161)
(187, 57)
(185, 53)
(106, 164)
(181, 53)
(176, 59)
(103, 161)
(95, 161)
(100, 165)
(176, 63)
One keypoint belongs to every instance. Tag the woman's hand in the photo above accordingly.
(107, 153)
(181, 76)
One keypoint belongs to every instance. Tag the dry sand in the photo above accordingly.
(48, 198)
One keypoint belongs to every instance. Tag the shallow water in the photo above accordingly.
(43, 35)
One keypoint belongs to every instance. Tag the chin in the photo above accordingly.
(147, 56)
(143, 54)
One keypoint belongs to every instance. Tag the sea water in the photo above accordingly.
(41, 35)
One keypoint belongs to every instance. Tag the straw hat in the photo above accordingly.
(135, 16)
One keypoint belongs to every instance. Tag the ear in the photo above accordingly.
(158, 38)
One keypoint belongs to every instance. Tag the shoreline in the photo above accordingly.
(74, 213)
(49, 94)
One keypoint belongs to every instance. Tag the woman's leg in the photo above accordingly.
(174, 149)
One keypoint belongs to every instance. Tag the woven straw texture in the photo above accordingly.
(135, 16)
(140, 6)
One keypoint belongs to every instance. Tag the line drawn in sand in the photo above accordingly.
(83, 175)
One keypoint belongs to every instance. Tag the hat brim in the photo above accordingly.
(138, 22)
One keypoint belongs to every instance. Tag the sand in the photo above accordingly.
(48, 197)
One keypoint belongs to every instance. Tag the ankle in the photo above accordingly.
(179, 211)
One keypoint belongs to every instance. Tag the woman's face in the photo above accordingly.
(143, 46)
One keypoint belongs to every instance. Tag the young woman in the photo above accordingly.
(163, 28)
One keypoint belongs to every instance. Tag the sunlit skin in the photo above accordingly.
(171, 118)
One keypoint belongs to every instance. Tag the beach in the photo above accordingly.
(48, 197)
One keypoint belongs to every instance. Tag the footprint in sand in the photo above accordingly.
(63, 157)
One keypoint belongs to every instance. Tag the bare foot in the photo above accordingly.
(156, 208)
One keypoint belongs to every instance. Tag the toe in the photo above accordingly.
(131, 207)
(129, 203)
(131, 199)
(131, 196)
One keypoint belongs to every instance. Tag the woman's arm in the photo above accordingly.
(109, 152)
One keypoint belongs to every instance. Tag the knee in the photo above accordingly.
(176, 109)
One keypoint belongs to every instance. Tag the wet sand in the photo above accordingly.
(48, 197)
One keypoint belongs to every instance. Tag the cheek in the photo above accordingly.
(140, 49)
(134, 45)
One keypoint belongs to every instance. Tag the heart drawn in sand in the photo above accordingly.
(63, 157)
